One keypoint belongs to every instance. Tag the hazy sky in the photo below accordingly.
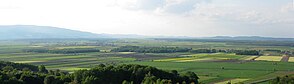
(156, 17)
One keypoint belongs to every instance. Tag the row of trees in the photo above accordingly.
(63, 51)
(177, 49)
(247, 52)
(102, 74)
(150, 49)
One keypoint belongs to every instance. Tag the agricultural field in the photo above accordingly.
(206, 57)
(219, 71)
(220, 67)
(291, 59)
(269, 58)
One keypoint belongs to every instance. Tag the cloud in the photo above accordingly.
(146, 5)
(166, 6)
(182, 6)
(237, 13)
(156, 17)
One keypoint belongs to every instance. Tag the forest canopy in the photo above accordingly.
(16, 73)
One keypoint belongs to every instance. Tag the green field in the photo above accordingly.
(224, 70)
(210, 67)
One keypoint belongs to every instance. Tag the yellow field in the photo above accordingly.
(233, 81)
(126, 52)
(269, 58)
(26, 61)
(291, 59)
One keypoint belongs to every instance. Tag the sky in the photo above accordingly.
(195, 18)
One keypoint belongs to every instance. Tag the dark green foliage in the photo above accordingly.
(102, 74)
(273, 50)
(42, 69)
(135, 73)
(283, 80)
(204, 51)
(31, 79)
(90, 80)
(18, 66)
(247, 52)
(150, 49)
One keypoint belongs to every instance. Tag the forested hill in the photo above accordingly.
(38, 32)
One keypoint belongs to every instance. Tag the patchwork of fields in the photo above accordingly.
(224, 70)
(63, 61)
(216, 68)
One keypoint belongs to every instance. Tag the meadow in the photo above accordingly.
(210, 67)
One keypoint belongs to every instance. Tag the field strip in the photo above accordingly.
(49, 58)
(65, 61)
(83, 63)
(268, 77)
(249, 58)
(30, 55)
(88, 63)
(73, 47)
(204, 78)
(269, 58)
(65, 57)
(27, 61)
(233, 81)
(291, 59)
(171, 59)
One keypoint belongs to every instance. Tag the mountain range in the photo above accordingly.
(44, 32)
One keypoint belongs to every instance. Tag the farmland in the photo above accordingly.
(221, 65)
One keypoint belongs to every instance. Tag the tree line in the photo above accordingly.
(15, 73)
(178, 49)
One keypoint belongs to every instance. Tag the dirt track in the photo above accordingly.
(285, 59)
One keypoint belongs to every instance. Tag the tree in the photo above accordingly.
(49, 79)
(13, 80)
(7, 68)
(29, 79)
(149, 79)
(42, 69)
(192, 77)
(127, 82)
(90, 80)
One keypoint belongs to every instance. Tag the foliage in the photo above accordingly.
(283, 80)
(247, 52)
(17, 66)
(102, 74)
